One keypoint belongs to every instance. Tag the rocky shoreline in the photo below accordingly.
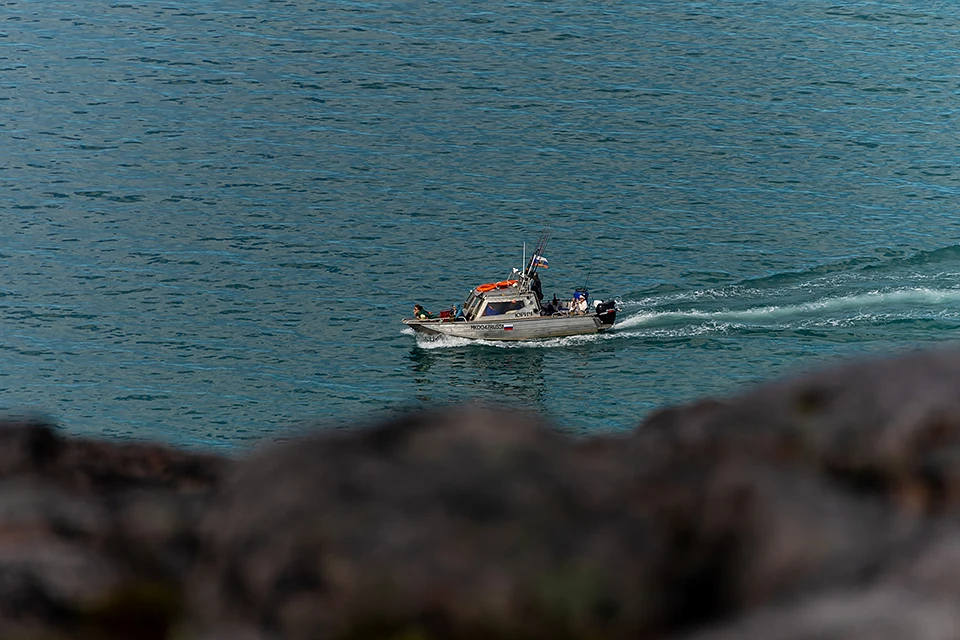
(823, 506)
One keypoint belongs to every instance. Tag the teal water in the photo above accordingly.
(214, 215)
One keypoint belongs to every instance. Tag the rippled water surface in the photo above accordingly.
(214, 215)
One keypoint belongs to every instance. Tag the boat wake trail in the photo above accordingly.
(685, 317)
(447, 342)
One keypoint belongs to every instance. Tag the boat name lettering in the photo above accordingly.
(484, 327)
(524, 314)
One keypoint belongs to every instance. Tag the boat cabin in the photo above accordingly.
(500, 303)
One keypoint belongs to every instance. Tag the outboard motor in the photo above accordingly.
(607, 311)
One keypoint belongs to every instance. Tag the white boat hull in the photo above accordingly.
(513, 329)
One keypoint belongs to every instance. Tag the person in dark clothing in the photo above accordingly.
(536, 287)
(420, 313)
(551, 307)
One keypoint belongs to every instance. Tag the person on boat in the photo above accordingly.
(578, 306)
(551, 307)
(536, 287)
(420, 313)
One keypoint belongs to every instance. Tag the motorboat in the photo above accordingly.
(513, 309)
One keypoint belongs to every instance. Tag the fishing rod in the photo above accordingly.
(537, 253)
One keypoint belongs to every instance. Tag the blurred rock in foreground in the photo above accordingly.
(820, 507)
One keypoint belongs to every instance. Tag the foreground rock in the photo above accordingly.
(820, 507)
(95, 538)
(483, 524)
(885, 428)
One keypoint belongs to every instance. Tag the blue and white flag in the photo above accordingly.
(540, 261)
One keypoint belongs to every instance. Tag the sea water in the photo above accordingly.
(215, 213)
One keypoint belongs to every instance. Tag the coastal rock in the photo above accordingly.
(78, 556)
(474, 522)
(468, 522)
(823, 506)
(874, 614)
(883, 427)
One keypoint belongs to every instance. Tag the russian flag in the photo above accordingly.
(508, 327)
(540, 261)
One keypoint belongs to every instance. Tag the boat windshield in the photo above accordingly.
(470, 306)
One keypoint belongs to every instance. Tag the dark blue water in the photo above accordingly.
(214, 215)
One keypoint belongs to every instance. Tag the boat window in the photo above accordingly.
(499, 308)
